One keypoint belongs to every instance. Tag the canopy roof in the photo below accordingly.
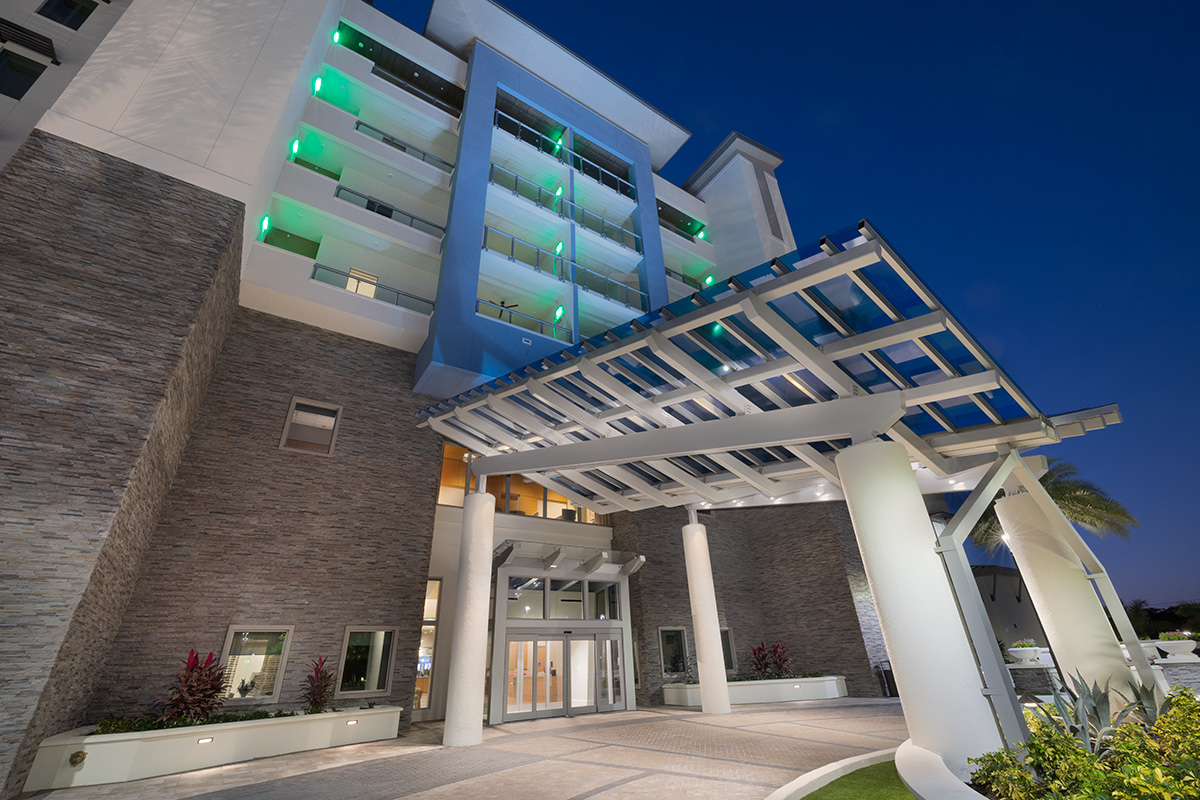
(745, 391)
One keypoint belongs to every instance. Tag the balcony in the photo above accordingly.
(530, 323)
(359, 283)
(403, 146)
(519, 250)
(555, 202)
(556, 149)
(384, 210)
(403, 72)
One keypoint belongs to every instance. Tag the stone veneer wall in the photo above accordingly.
(258, 536)
(119, 286)
(780, 572)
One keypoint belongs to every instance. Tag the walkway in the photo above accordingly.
(654, 753)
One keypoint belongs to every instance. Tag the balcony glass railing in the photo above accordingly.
(565, 208)
(402, 146)
(515, 249)
(391, 212)
(556, 148)
(679, 276)
(396, 80)
(342, 280)
(682, 233)
(487, 309)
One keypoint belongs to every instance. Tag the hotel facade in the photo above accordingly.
(260, 255)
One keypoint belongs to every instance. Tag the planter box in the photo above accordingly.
(119, 757)
(779, 690)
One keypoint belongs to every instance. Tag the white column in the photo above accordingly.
(1065, 600)
(931, 657)
(710, 660)
(468, 652)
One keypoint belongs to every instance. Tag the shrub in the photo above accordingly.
(318, 686)
(138, 724)
(772, 662)
(197, 690)
(760, 660)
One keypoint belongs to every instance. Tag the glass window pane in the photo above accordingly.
(549, 674)
(433, 590)
(566, 599)
(366, 665)
(727, 648)
(254, 663)
(525, 598)
(424, 665)
(674, 653)
(602, 601)
(583, 673)
(454, 476)
(520, 677)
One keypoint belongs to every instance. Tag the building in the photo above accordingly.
(293, 227)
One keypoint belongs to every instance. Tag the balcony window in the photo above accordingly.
(17, 74)
(311, 427)
(71, 13)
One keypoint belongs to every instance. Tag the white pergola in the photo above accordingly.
(830, 373)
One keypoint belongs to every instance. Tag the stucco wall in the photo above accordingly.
(259, 536)
(119, 287)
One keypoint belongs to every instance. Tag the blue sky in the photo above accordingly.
(1036, 163)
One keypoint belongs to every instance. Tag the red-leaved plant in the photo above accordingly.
(774, 662)
(760, 660)
(318, 686)
(781, 662)
(197, 690)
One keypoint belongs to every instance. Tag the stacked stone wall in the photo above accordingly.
(256, 536)
(119, 286)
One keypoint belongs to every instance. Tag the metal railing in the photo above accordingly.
(341, 280)
(391, 212)
(523, 320)
(565, 208)
(560, 151)
(515, 249)
(679, 276)
(419, 92)
(402, 146)
(679, 231)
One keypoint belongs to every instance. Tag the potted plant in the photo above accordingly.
(1178, 646)
(1025, 651)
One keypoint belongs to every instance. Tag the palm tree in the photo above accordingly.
(1082, 502)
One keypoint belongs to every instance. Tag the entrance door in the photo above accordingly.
(610, 677)
(535, 683)
(583, 675)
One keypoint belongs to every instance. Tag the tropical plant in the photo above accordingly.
(1082, 502)
(1174, 636)
(197, 690)
(318, 686)
(771, 662)
(1024, 643)
(760, 660)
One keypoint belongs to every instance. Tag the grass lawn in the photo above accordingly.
(880, 782)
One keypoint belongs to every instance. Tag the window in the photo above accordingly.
(254, 659)
(727, 650)
(71, 13)
(310, 426)
(366, 667)
(673, 642)
(361, 282)
(566, 599)
(602, 600)
(525, 598)
(17, 74)
(433, 592)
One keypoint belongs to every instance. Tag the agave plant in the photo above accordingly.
(1086, 714)
(197, 690)
(318, 686)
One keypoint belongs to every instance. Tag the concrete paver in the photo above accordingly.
(649, 753)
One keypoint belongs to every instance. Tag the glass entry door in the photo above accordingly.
(563, 675)
(535, 684)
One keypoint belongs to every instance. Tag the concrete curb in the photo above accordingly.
(809, 782)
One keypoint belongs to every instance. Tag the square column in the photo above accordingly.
(468, 652)
(710, 660)
(932, 660)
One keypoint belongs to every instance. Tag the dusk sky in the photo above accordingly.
(1037, 164)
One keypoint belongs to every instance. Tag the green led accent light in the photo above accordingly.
(266, 225)
(558, 249)
(295, 146)
(702, 235)
(716, 327)
(708, 281)
(558, 313)
(317, 85)
(337, 35)
(558, 192)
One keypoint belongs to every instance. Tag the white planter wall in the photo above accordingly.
(781, 690)
(119, 757)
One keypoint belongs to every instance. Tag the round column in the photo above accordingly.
(468, 652)
(932, 661)
(706, 627)
(1066, 603)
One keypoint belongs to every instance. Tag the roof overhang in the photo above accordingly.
(458, 24)
(745, 392)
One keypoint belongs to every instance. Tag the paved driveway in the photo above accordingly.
(654, 753)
